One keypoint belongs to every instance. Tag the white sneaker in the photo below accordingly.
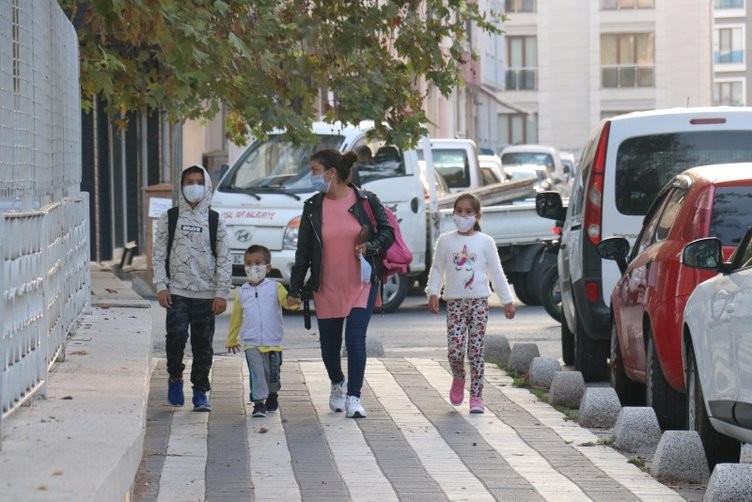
(338, 396)
(354, 408)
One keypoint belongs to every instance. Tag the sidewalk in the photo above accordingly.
(85, 440)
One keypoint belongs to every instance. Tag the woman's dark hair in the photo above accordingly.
(342, 163)
(474, 203)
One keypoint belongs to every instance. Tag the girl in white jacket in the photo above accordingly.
(463, 262)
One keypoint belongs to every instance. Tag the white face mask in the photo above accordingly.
(319, 183)
(255, 273)
(464, 223)
(194, 193)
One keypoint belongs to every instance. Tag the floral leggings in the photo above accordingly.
(466, 324)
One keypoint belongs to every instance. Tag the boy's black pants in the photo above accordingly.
(196, 314)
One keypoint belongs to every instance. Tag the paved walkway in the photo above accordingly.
(413, 446)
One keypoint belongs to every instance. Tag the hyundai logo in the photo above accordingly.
(243, 235)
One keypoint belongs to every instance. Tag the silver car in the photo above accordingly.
(717, 349)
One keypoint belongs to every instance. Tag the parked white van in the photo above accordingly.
(624, 164)
(261, 197)
(458, 162)
(540, 155)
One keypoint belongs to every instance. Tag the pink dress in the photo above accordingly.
(340, 289)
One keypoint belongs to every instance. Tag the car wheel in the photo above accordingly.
(551, 293)
(394, 291)
(630, 393)
(567, 344)
(534, 278)
(591, 356)
(520, 288)
(718, 447)
(665, 401)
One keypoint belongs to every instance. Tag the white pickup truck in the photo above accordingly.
(261, 199)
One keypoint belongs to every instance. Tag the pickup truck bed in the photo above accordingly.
(509, 224)
(495, 194)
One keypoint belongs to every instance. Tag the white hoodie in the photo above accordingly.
(194, 272)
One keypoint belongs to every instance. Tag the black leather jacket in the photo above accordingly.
(308, 254)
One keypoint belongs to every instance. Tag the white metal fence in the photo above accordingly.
(44, 218)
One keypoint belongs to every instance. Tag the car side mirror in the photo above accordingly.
(706, 254)
(549, 205)
(616, 249)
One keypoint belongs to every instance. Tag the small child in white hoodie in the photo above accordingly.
(464, 261)
(256, 321)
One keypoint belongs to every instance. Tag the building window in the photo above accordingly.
(728, 4)
(607, 114)
(729, 93)
(522, 61)
(728, 45)
(517, 128)
(519, 5)
(627, 4)
(627, 60)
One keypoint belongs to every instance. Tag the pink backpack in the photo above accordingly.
(397, 258)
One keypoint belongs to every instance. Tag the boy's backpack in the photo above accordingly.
(172, 223)
(398, 257)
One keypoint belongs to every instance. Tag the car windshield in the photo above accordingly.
(518, 158)
(275, 164)
(279, 166)
(645, 163)
(452, 164)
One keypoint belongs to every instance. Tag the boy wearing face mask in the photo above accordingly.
(192, 277)
(464, 262)
(257, 322)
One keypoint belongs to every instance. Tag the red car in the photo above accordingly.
(648, 301)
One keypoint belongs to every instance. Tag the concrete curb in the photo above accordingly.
(84, 440)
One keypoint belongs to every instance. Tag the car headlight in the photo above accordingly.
(290, 238)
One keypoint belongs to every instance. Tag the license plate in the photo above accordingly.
(237, 259)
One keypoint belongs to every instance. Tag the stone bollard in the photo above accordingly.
(521, 356)
(680, 457)
(729, 483)
(599, 408)
(497, 350)
(542, 371)
(637, 429)
(567, 389)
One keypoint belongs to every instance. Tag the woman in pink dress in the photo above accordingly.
(331, 240)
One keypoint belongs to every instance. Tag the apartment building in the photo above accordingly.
(571, 63)
(730, 47)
